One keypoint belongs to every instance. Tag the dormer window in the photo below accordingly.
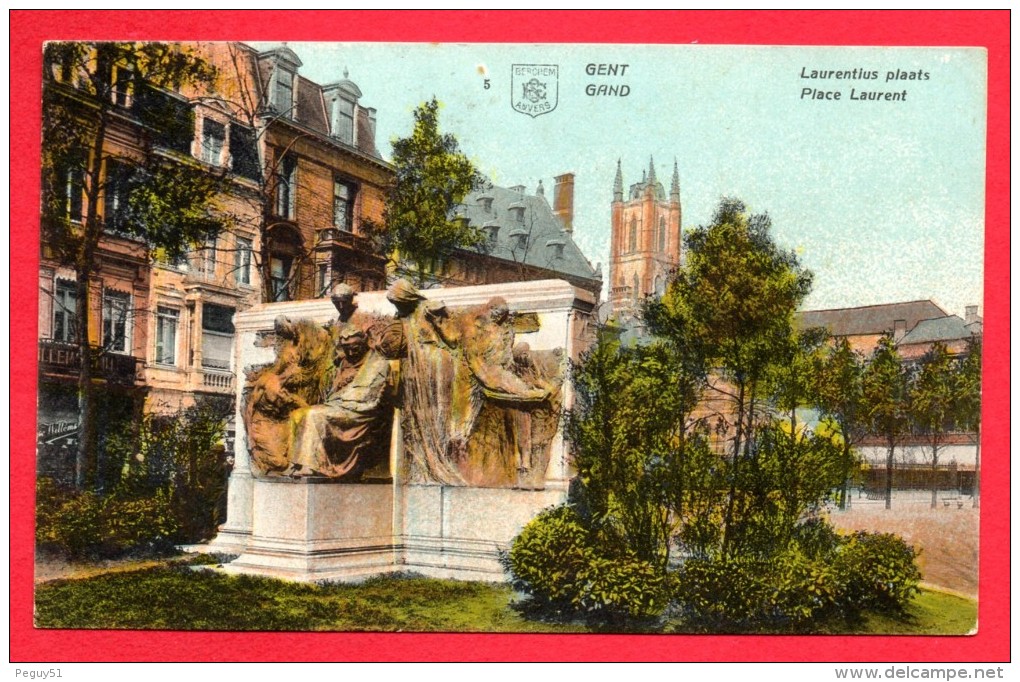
(485, 201)
(519, 238)
(555, 247)
(283, 93)
(283, 65)
(517, 211)
(343, 118)
(491, 230)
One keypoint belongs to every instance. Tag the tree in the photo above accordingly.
(432, 178)
(93, 188)
(839, 396)
(933, 404)
(736, 297)
(886, 399)
(968, 389)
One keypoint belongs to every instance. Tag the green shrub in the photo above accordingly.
(87, 525)
(737, 594)
(560, 563)
(876, 571)
(816, 538)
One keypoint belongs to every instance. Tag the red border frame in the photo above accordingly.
(29, 29)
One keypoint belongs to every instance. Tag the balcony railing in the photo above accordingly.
(64, 359)
(217, 381)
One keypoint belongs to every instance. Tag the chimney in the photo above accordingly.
(563, 200)
(899, 330)
(971, 314)
(371, 126)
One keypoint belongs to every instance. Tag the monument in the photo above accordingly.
(400, 430)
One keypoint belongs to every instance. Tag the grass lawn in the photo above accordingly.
(180, 597)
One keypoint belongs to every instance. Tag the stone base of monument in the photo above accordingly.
(459, 532)
(316, 529)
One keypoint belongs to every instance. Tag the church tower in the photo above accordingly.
(645, 244)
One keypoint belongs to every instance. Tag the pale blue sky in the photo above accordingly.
(884, 201)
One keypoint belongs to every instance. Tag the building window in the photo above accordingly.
(633, 234)
(207, 258)
(116, 311)
(279, 275)
(115, 194)
(65, 308)
(242, 261)
(323, 279)
(166, 335)
(286, 187)
(343, 205)
(217, 335)
(214, 136)
(283, 95)
(121, 86)
(343, 120)
(73, 181)
(662, 235)
(244, 154)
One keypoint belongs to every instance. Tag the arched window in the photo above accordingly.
(633, 234)
(660, 285)
(662, 235)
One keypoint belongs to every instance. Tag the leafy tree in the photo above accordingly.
(619, 445)
(839, 396)
(933, 404)
(432, 177)
(886, 391)
(736, 297)
(95, 93)
(968, 406)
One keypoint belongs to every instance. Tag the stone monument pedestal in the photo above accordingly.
(318, 529)
(312, 528)
(459, 532)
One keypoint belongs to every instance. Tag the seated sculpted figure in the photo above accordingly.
(347, 433)
(291, 382)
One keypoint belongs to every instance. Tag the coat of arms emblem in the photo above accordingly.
(534, 88)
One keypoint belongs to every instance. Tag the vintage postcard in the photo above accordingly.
(670, 339)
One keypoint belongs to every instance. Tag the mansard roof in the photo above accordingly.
(545, 233)
(948, 328)
(872, 319)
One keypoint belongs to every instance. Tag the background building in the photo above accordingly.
(645, 242)
(525, 239)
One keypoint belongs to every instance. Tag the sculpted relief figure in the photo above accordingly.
(477, 408)
(468, 405)
(312, 368)
(292, 381)
(348, 432)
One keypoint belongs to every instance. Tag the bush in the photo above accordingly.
(86, 525)
(181, 455)
(737, 594)
(558, 561)
(822, 575)
(876, 571)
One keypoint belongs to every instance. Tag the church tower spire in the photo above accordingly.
(618, 183)
(646, 239)
(674, 188)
